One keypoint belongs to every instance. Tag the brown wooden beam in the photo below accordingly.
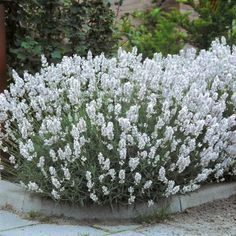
(3, 63)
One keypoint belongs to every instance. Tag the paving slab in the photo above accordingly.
(117, 228)
(54, 230)
(10, 221)
(128, 233)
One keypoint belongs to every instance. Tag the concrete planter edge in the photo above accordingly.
(12, 195)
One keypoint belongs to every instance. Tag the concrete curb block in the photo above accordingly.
(23, 201)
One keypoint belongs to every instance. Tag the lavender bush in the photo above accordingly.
(121, 130)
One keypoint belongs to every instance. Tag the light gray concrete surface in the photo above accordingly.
(11, 221)
(54, 230)
(206, 194)
(117, 228)
(13, 225)
(27, 202)
(128, 233)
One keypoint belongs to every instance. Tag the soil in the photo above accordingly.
(215, 218)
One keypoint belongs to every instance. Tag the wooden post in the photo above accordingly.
(3, 64)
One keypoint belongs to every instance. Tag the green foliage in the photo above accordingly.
(34, 215)
(156, 33)
(216, 18)
(56, 28)
(163, 31)
(156, 217)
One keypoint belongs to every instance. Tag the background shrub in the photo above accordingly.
(167, 31)
(120, 130)
(215, 18)
(56, 28)
(151, 31)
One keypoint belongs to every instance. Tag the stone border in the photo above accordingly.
(12, 195)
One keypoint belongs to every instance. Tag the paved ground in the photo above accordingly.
(213, 219)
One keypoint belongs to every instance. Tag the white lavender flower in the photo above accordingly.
(133, 163)
(137, 178)
(147, 184)
(105, 190)
(32, 186)
(122, 176)
(150, 203)
(55, 194)
(94, 197)
(55, 182)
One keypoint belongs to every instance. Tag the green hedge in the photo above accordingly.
(56, 28)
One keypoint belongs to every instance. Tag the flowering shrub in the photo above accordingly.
(121, 130)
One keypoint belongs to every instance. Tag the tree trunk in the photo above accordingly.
(3, 67)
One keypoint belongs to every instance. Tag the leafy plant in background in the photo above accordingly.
(56, 28)
(158, 30)
(215, 18)
(151, 31)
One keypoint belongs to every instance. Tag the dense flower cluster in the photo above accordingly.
(121, 130)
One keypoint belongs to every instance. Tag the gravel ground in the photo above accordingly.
(215, 218)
